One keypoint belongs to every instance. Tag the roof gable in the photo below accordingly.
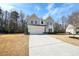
(34, 17)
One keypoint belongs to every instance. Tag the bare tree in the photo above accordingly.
(64, 20)
(74, 19)
(12, 22)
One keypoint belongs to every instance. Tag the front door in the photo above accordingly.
(50, 30)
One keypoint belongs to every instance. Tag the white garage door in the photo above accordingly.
(35, 29)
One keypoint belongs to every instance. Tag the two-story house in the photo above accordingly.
(39, 26)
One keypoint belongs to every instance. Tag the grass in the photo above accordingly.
(14, 45)
(67, 39)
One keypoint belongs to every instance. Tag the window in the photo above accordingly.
(47, 23)
(50, 30)
(35, 22)
(50, 23)
(41, 22)
(31, 22)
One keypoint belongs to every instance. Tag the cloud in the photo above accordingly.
(58, 12)
(46, 15)
(37, 8)
(49, 7)
(45, 10)
(6, 6)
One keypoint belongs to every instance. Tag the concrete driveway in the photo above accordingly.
(44, 45)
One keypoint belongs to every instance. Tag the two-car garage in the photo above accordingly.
(36, 29)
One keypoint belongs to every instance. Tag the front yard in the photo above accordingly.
(66, 38)
(14, 44)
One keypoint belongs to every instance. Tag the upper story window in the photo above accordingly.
(41, 22)
(49, 23)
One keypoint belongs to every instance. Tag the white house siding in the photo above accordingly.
(39, 26)
(71, 29)
(33, 19)
(50, 24)
(49, 27)
(34, 29)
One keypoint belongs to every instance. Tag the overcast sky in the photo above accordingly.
(43, 10)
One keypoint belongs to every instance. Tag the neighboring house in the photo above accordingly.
(71, 29)
(39, 26)
(77, 30)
